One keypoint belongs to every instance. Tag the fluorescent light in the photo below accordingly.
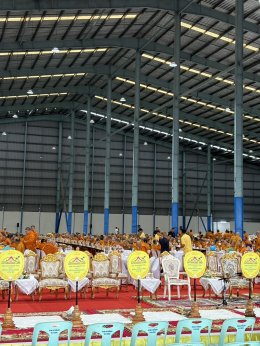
(227, 109)
(30, 92)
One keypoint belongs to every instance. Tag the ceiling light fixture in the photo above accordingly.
(15, 116)
(168, 158)
(145, 143)
(69, 137)
(227, 109)
(214, 159)
(251, 151)
(3, 133)
(173, 64)
(122, 99)
(55, 50)
(53, 148)
(30, 92)
(92, 121)
(199, 148)
(120, 154)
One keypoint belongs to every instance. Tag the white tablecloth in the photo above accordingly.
(29, 322)
(154, 267)
(81, 284)
(217, 285)
(27, 286)
(150, 285)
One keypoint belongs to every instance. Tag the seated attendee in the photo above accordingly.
(141, 233)
(171, 233)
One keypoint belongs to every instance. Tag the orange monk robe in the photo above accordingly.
(246, 238)
(30, 239)
(20, 247)
(145, 247)
(7, 241)
(257, 243)
(49, 248)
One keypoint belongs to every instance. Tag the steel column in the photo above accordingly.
(154, 184)
(175, 123)
(107, 158)
(184, 189)
(87, 167)
(24, 172)
(209, 169)
(58, 187)
(92, 180)
(238, 128)
(71, 173)
(124, 181)
(136, 144)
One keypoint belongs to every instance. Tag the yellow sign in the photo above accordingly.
(138, 264)
(195, 264)
(11, 265)
(250, 265)
(76, 265)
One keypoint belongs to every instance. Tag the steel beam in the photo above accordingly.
(87, 167)
(175, 124)
(154, 185)
(71, 173)
(136, 144)
(166, 5)
(107, 157)
(238, 129)
(58, 187)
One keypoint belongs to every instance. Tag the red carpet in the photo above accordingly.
(101, 302)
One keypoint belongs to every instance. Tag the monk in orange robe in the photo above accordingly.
(30, 239)
(49, 248)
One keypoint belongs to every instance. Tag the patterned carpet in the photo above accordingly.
(234, 303)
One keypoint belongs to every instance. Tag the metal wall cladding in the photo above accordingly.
(41, 171)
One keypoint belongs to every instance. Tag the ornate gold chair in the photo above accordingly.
(30, 263)
(116, 267)
(50, 276)
(230, 269)
(101, 276)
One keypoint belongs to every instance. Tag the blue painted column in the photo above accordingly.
(136, 144)
(87, 168)
(58, 187)
(175, 124)
(107, 158)
(209, 190)
(71, 174)
(238, 121)
(24, 174)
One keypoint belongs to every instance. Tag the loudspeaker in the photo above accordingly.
(17, 225)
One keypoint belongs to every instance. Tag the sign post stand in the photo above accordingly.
(195, 266)
(11, 267)
(250, 265)
(138, 264)
(76, 265)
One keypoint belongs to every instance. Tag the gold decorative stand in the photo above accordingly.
(194, 312)
(139, 316)
(250, 304)
(8, 320)
(8, 316)
(76, 319)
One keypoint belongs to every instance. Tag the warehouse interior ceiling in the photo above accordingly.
(54, 54)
